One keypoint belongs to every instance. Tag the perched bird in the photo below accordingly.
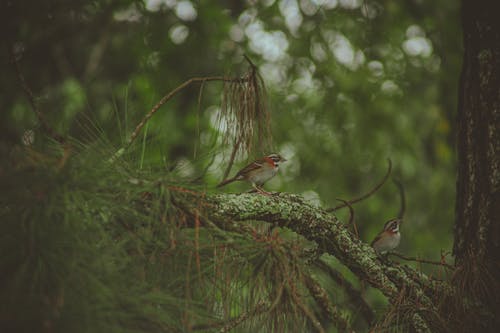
(258, 172)
(387, 239)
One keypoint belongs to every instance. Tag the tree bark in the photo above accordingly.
(478, 136)
(477, 229)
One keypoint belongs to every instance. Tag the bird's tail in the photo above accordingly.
(225, 182)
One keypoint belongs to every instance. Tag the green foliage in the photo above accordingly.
(69, 262)
(350, 83)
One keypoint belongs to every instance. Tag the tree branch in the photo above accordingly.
(401, 189)
(351, 217)
(292, 212)
(165, 99)
(366, 195)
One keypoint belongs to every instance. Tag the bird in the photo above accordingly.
(388, 239)
(258, 172)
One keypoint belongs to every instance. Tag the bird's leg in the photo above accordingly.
(261, 190)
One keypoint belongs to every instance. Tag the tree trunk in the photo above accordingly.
(477, 229)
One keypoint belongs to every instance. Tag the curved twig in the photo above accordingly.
(366, 195)
(351, 216)
(231, 158)
(165, 99)
(402, 208)
(171, 94)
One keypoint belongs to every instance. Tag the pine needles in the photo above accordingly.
(245, 114)
(76, 249)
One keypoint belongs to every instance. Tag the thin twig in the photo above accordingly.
(165, 99)
(31, 98)
(351, 217)
(231, 158)
(401, 189)
(366, 195)
(168, 96)
(250, 62)
(423, 261)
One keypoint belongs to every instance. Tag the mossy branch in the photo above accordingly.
(332, 236)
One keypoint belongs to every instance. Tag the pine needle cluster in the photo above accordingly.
(93, 245)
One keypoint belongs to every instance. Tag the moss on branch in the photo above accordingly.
(315, 224)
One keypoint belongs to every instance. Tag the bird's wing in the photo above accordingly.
(252, 166)
(376, 238)
(241, 174)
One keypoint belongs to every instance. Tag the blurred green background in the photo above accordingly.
(350, 84)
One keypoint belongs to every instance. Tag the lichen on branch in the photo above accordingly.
(331, 235)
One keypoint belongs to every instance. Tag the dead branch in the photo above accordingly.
(241, 104)
(171, 94)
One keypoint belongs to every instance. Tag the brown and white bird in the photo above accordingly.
(258, 172)
(388, 239)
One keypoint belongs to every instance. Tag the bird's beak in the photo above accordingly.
(283, 159)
